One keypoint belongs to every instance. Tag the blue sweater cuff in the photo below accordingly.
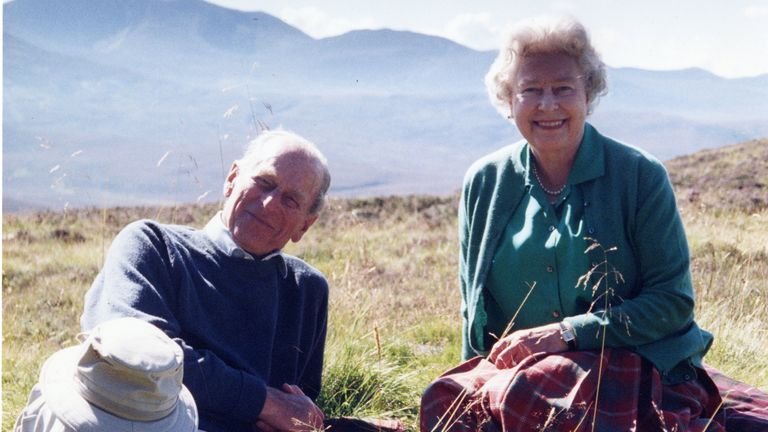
(250, 402)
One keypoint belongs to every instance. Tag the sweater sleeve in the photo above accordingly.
(464, 284)
(311, 379)
(663, 302)
(137, 280)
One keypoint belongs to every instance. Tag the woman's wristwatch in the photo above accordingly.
(568, 334)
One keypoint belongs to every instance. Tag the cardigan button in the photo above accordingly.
(550, 269)
(551, 228)
(591, 230)
(555, 314)
(586, 203)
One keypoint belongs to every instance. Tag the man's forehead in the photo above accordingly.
(276, 147)
(278, 156)
(300, 171)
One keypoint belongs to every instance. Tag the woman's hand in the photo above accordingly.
(512, 349)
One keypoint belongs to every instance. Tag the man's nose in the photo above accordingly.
(268, 198)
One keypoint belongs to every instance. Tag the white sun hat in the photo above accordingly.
(126, 376)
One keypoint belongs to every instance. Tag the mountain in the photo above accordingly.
(123, 102)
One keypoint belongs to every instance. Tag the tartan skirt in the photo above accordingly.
(586, 391)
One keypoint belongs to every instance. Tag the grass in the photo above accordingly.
(391, 264)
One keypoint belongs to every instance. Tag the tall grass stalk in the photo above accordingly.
(511, 323)
(602, 270)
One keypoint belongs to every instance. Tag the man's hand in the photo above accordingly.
(512, 349)
(289, 409)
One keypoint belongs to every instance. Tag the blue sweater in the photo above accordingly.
(244, 324)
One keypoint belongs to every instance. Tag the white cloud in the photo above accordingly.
(621, 47)
(564, 7)
(319, 24)
(755, 11)
(603, 39)
(655, 34)
(475, 30)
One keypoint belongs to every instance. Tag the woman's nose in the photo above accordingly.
(548, 101)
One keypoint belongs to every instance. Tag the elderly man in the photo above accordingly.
(250, 319)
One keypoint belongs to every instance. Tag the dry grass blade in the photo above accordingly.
(511, 324)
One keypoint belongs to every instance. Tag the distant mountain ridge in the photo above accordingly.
(123, 102)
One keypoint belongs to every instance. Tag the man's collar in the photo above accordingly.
(222, 238)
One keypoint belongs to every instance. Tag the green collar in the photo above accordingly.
(589, 163)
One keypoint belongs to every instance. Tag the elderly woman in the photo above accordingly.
(574, 267)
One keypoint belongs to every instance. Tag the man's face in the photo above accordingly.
(268, 201)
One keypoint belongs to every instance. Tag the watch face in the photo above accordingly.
(568, 335)
(566, 332)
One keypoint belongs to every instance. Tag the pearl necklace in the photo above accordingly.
(544, 188)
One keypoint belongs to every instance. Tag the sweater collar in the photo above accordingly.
(588, 164)
(222, 238)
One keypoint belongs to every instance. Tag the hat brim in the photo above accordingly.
(61, 397)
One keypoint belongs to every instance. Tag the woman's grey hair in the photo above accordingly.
(563, 36)
(306, 147)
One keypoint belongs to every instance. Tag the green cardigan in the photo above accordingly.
(629, 204)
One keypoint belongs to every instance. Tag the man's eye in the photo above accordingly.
(262, 182)
(292, 203)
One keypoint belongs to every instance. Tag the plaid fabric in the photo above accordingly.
(558, 392)
(745, 408)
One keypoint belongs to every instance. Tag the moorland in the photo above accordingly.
(391, 264)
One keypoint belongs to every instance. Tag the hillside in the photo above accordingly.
(98, 92)
(734, 176)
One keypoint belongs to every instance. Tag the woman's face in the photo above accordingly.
(549, 102)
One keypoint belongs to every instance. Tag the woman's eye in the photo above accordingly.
(564, 91)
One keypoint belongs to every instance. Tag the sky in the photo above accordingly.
(727, 37)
